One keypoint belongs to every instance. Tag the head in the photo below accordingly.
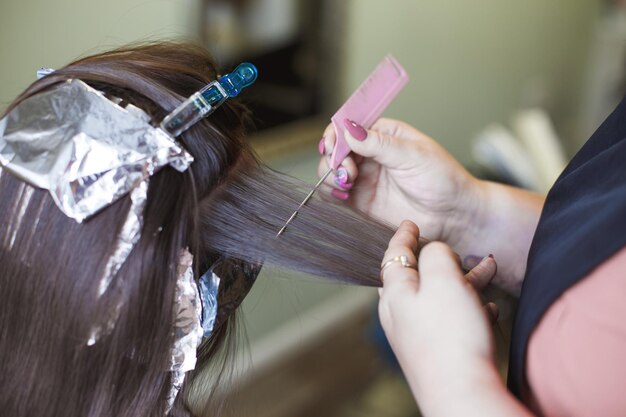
(226, 204)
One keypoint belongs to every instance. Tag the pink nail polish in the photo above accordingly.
(355, 130)
(321, 147)
(344, 185)
(342, 195)
(341, 179)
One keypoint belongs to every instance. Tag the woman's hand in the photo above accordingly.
(440, 332)
(396, 172)
(432, 318)
(399, 173)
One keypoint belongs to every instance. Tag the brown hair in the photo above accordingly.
(227, 203)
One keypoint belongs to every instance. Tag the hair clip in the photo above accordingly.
(209, 98)
(42, 72)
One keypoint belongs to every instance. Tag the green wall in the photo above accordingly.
(50, 33)
(473, 62)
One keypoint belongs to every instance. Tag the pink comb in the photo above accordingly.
(364, 106)
(368, 102)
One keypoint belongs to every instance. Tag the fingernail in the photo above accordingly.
(342, 195)
(341, 179)
(344, 185)
(355, 130)
(495, 311)
(321, 147)
(341, 175)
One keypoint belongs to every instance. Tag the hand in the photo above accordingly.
(440, 333)
(399, 173)
(434, 319)
(396, 173)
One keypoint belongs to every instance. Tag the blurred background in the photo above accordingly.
(512, 89)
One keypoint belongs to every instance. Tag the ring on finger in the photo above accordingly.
(404, 262)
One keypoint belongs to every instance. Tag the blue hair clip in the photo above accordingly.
(205, 101)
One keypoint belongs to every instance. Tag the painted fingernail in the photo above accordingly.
(494, 311)
(341, 179)
(342, 195)
(321, 147)
(345, 186)
(341, 176)
(355, 130)
(486, 257)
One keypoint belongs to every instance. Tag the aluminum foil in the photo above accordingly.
(209, 285)
(129, 235)
(85, 149)
(187, 328)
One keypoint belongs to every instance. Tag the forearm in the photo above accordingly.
(499, 220)
(475, 389)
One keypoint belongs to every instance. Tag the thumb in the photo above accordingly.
(382, 147)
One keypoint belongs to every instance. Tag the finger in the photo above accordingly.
(492, 311)
(345, 176)
(329, 186)
(384, 148)
(398, 129)
(404, 242)
(481, 275)
(437, 261)
(333, 195)
(323, 167)
(327, 143)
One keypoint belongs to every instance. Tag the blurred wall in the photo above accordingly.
(472, 63)
(46, 33)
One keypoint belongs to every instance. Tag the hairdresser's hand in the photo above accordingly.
(396, 173)
(436, 312)
(434, 319)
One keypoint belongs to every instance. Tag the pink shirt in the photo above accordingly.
(576, 361)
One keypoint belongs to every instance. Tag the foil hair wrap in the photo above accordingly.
(209, 286)
(82, 147)
(127, 238)
(187, 328)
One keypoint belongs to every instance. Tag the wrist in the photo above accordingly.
(497, 219)
(453, 389)
(470, 215)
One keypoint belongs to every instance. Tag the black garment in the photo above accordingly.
(582, 224)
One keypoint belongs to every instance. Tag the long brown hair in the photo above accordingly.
(227, 203)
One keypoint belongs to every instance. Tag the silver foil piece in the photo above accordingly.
(85, 149)
(209, 285)
(187, 327)
(129, 235)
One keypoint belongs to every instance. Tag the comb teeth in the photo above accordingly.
(368, 102)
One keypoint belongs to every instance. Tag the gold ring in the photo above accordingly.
(404, 261)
